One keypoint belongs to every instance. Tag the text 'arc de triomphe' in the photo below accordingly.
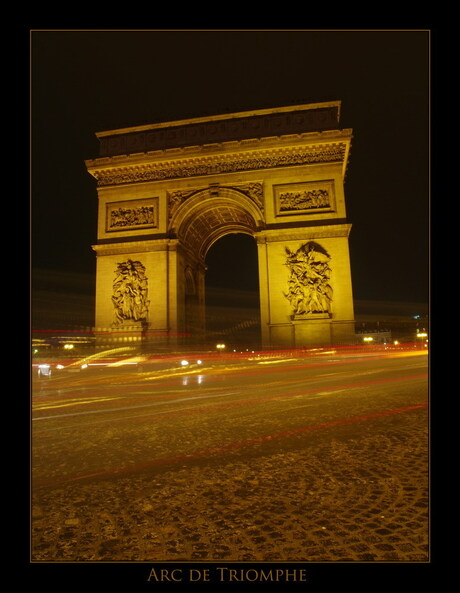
(168, 191)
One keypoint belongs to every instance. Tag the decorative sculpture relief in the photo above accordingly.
(254, 190)
(216, 165)
(130, 289)
(304, 200)
(178, 197)
(309, 291)
(132, 215)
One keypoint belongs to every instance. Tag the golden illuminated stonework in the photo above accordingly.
(309, 288)
(168, 191)
(130, 290)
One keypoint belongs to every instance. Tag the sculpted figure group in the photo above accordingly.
(309, 290)
(306, 200)
(123, 217)
(130, 291)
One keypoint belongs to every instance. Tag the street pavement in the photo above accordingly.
(267, 461)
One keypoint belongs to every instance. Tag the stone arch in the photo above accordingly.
(274, 174)
(209, 214)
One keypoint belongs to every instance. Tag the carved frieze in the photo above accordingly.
(132, 215)
(218, 164)
(309, 290)
(130, 292)
(304, 198)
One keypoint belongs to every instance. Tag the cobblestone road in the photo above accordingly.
(351, 495)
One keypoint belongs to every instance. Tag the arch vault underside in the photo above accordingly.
(210, 214)
(160, 211)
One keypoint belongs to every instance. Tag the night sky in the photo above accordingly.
(83, 82)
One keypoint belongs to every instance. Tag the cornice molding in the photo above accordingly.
(305, 233)
(135, 246)
(119, 171)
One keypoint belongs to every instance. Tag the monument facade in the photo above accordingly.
(168, 191)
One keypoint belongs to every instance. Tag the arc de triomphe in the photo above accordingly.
(168, 191)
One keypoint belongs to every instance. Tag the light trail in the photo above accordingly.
(228, 405)
(118, 391)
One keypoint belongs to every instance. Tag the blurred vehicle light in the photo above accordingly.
(44, 370)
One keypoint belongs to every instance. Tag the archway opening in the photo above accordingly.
(232, 293)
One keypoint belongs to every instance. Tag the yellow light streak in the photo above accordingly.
(74, 402)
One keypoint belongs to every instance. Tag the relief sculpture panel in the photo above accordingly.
(309, 290)
(305, 198)
(130, 292)
(132, 215)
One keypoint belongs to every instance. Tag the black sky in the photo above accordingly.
(83, 82)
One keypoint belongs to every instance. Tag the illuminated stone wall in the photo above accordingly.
(278, 177)
(155, 257)
(284, 324)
